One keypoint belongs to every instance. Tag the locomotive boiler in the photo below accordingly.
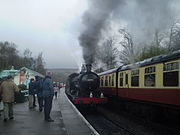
(83, 87)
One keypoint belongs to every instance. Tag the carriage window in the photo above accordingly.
(171, 78)
(171, 66)
(171, 74)
(109, 80)
(126, 78)
(164, 68)
(150, 77)
(149, 80)
(113, 80)
(102, 80)
(106, 81)
(121, 79)
(175, 65)
(150, 70)
(168, 67)
(135, 78)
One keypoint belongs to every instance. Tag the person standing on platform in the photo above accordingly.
(7, 91)
(34, 98)
(56, 89)
(38, 86)
(1, 102)
(31, 93)
(48, 93)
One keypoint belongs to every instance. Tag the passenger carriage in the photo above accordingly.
(155, 80)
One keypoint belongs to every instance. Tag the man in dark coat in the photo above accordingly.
(38, 86)
(48, 94)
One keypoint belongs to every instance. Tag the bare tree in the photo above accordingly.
(127, 54)
(28, 59)
(9, 56)
(174, 38)
(158, 38)
(109, 53)
(154, 48)
(39, 64)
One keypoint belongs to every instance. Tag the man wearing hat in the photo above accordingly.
(7, 90)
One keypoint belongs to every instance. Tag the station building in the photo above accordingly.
(21, 76)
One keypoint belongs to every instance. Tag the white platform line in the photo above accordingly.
(87, 123)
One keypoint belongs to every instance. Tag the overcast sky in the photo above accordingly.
(54, 26)
(48, 26)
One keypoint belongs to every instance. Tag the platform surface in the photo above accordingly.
(74, 123)
(31, 122)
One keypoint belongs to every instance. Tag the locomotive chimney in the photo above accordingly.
(88, 67)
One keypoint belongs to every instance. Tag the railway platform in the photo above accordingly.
(67, 121)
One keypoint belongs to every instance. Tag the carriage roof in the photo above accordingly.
(150, 61)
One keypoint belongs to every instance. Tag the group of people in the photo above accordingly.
(43, 87)
(35, 87)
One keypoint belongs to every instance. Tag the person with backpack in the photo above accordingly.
(48, 93)
(38, 87)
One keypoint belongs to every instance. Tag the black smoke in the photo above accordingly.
(142, 17)
(94, 20)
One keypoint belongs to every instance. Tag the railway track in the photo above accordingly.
(108, 122)
(104, 125)
(138, 125)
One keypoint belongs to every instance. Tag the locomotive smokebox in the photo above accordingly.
(88, 67)
(88, 81)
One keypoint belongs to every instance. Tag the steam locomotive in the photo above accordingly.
(83, 87)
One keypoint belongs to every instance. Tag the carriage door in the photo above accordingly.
(126, 80)
(126, 85)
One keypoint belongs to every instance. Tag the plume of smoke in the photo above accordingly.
(142, 17)
(94, 21)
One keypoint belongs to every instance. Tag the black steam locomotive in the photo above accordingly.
(83, 87)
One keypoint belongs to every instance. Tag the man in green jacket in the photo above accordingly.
(7, 91)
